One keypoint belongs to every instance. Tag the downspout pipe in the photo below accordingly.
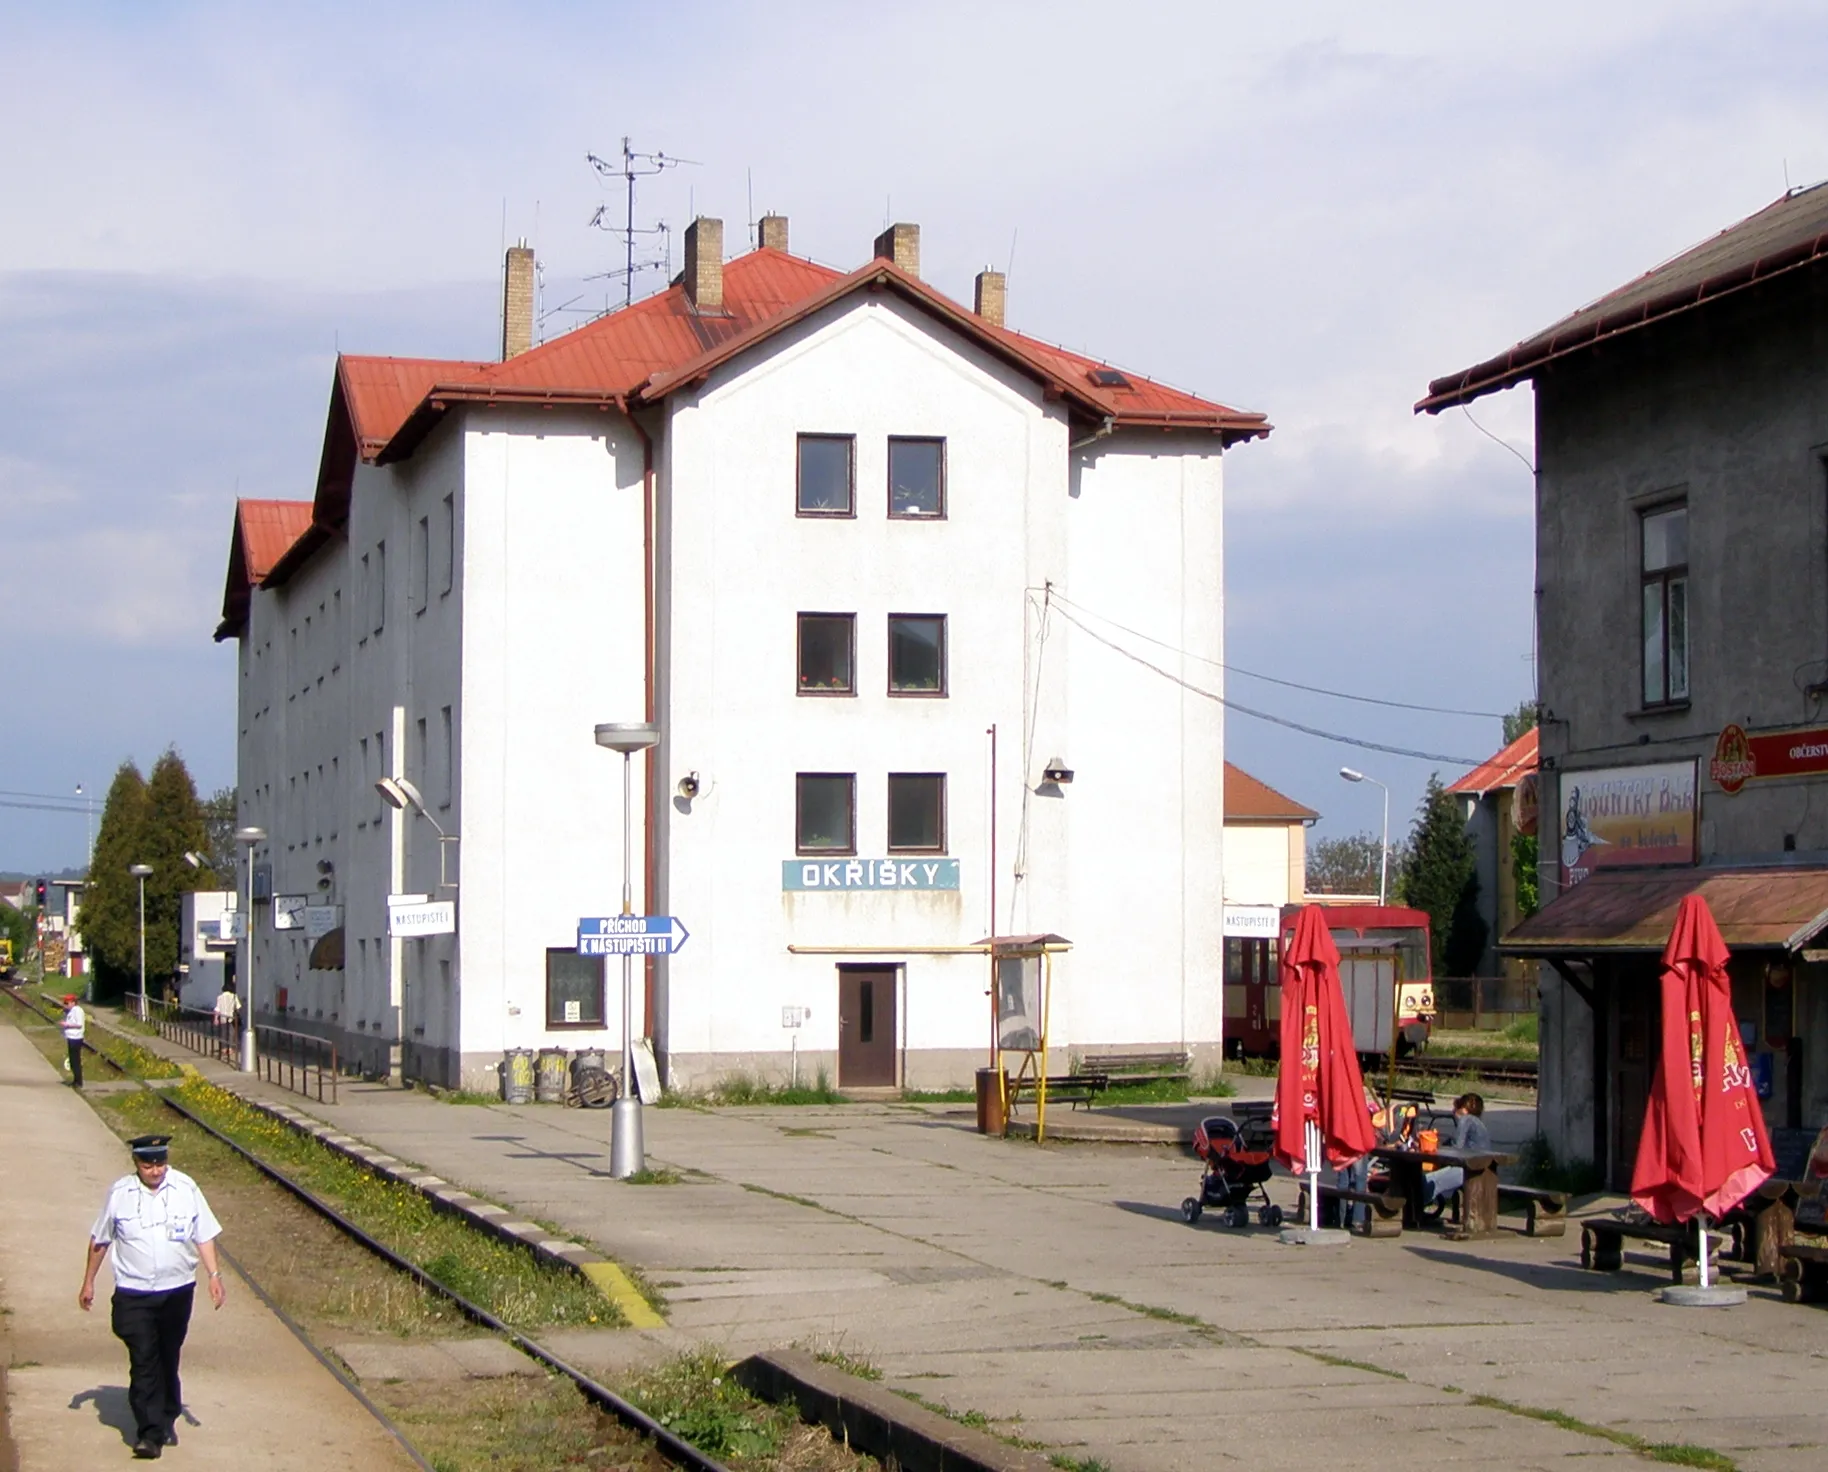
(650, 870)
(1110, 423)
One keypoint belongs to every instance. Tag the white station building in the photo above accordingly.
(928, 613)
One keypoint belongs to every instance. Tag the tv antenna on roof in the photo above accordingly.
(634, 166)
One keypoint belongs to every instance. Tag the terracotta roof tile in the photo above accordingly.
(262, 534)
(1504, 770)
(1248, 800)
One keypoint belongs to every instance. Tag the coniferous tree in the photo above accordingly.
(1440, 875)
(174, 827)
(110, 915)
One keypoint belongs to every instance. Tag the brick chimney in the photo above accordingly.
(771, 232)
(516, 301)
(704, 264)
(900, 244)
(992, 292)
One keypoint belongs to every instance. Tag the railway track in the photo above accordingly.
(1492, 1070)
(670, 1445)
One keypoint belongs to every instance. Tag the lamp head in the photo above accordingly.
(250, 835)
(194, 859)
(1350, 775)
(139, 871)
(627, 737)
(400, 793)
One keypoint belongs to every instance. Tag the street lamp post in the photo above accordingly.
(626, 1146)
(1383, 858)
(246, 838)
(141, 872)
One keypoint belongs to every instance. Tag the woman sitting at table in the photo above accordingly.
(1470, 1134)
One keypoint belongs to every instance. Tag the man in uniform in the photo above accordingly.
(72, 1024)
(156, 1225)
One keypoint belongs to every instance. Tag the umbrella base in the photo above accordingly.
(1715, 1295)
(1314, 1237)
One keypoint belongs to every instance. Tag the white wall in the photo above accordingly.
(1260, 863)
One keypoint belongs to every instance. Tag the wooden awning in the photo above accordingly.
(1617, 911)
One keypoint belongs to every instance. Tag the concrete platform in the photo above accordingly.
(1057, 1291)
(257, 1399)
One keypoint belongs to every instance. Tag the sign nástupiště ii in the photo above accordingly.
(799, 874)
(1740, 757)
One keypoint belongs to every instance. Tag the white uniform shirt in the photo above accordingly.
(154, 1234)
(72, 1023)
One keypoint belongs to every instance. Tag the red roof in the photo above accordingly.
(263, 533)
(646, 351)
(1248, 800)
(1503, 771)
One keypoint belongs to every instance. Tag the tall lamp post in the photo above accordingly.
(626, 1147)
(245, 839)
(1383, 858)
(142, 872)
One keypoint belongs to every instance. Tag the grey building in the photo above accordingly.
(1682, 615)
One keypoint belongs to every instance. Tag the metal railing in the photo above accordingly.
(300, 1061)
(1483, 1002)
(192, 1027)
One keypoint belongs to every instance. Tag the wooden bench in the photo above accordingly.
(1803, 1271)
(1066, 1088)
(1545, 1213)
(1385, 1219)
(1139, 1068)
(1602, 1244)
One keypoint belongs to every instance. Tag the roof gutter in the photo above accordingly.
(1104, 429)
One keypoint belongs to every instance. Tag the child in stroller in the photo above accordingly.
(1232, 1174)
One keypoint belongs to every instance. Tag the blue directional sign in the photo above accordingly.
(630, 935)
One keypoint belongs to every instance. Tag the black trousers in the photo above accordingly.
(153, 1326)
(76, 1060)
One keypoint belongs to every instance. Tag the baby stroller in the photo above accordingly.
(1232, 1174)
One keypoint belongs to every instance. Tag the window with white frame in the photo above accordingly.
(1664, 541)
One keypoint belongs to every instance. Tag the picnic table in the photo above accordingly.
(1478, 1196)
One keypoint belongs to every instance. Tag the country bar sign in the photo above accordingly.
(630, 935)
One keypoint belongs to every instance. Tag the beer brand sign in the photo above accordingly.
(1740, 757)
(1627, 817)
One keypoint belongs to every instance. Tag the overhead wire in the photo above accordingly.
(1262, 715)
(1232, 669)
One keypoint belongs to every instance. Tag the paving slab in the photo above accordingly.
(1045, 1284)
(255, 1396)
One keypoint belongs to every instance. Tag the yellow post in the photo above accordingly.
(1047, 994)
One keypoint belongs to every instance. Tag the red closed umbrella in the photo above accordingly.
(1704, 1148)
(1318, 1082)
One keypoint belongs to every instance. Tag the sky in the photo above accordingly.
(1309, 211)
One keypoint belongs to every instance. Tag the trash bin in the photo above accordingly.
(586, 1058)
(992, 1101)
(517, 1075)
(550, 1077)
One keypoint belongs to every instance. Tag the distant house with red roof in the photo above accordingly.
(804, 521)
(1498, 800)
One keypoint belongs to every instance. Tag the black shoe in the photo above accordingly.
(171, 1435)
(146, 1449)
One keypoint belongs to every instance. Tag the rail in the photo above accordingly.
(1491, 1070)
(299, 1061)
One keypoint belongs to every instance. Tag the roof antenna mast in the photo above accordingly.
(633, 166)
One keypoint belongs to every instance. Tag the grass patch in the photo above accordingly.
(695, 1397)
(464, 1096)
(1681, 1453)
(507, 1280)
(1166, 1315)
(1345, 1364)
(742, 1089)
(783, 1196)
(1513, 1043)
(1078, 1464)
(939, 1096)
(647, 1176)
(851, 1364)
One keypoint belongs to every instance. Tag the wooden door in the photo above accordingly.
(1634, 1035)
(866, 1026)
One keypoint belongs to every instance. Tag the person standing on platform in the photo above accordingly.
(155, 1225)
(73, 1024)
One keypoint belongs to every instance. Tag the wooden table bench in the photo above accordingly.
(1066, 1088)
(1384, 1219)
(1478, 1193)
(1803, 1271)
(1602, 1243)
(1545, 1213)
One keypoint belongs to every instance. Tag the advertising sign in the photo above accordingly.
(1740, 758)
(320, 920)
(869, 874)
(1627, 817)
